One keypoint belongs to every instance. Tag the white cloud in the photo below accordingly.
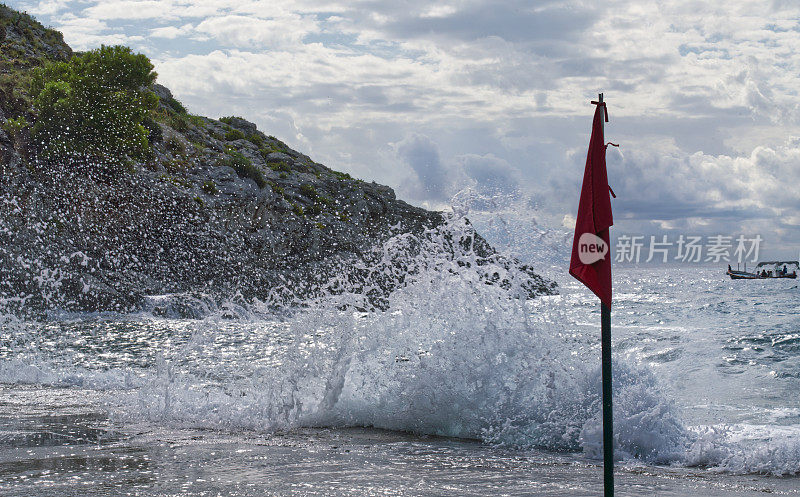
(48, 7)
(492, 175)
(761, 185)
(244, 31)
(129, 9)
(85, 33)
(171, 32)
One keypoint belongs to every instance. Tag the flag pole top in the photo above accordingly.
(599, 101)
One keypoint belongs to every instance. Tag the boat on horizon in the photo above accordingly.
(766, 270)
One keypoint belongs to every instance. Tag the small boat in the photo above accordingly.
(767, 270)
(742, 275)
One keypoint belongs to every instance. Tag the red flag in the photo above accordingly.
(591, 257)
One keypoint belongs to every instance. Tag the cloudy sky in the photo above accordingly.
(431, 98)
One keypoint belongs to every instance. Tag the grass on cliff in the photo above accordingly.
(244, 167)
(24, 41)
(24, 44)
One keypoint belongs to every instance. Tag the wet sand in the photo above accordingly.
(55, 443)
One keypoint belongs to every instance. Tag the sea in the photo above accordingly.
(453, 387)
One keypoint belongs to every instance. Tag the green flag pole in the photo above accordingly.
(608, 424)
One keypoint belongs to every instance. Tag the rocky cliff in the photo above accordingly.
(218, 207)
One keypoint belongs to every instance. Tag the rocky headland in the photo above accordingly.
(215, 207)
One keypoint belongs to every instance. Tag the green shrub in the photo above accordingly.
(199, 147)
(210, 187)
(175, 166)
(178, 182)
(275, 145)
(297, 209)
(229, 119)
(308, 191)
(178, 122)
(279, 166)
(154, 132)
(314, 210)
(94, 105)
(175, 105)
(13, 126)
(234, 134)
(244, 167)
(53, 37)
(255, 139)
(279, 147)
(196, 120)
(341, 176)
(174, 144)
(14, 87)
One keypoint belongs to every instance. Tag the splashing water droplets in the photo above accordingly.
(455, 349)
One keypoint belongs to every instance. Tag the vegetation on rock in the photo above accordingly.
(94, 105)
(24, 45)
(244, 167)
(234, 134)
(210, 187)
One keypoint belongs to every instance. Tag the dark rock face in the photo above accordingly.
(238, 123)
(77, 242)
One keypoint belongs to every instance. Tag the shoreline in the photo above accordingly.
(148, 460)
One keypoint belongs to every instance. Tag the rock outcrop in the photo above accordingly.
(219, 208)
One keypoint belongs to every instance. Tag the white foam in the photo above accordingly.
(39, 372)
(451, 356)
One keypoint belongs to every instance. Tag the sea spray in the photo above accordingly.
(455, 350)
(646, 423)
(450, 354)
